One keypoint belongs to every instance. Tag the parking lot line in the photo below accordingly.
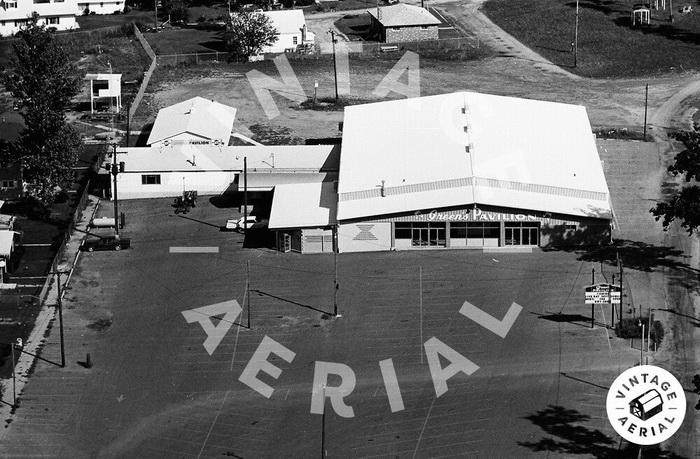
(194, 250)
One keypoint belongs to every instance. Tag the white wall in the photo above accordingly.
(11, 19)
(283, 42)
(364, 237)
(99, 7)
(129, 184)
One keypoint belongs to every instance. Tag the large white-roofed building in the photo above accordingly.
(461, 170)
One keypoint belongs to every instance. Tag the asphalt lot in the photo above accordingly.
(155, 391)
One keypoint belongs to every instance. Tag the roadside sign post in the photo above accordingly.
(603, 293)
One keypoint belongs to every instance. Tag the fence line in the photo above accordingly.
(356, 47)
(147, 76)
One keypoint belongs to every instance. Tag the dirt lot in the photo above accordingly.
(609, 103)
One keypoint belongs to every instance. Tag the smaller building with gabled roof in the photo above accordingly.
(291, 25)
(196, 121)
(400, 22)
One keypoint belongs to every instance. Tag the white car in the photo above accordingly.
(238, 225)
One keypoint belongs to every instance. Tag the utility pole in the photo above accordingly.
(128, 123)
(335, 271)
(671, 11)
(247, 289)
(335, 68)
(14, 378)
(245, 194)
(115, 172)
(576, 38)
(646, 104)
(60, 316)
(420, 301)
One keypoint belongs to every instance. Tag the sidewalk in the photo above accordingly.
(47, 318)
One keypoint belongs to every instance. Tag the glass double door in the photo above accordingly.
(522, 233)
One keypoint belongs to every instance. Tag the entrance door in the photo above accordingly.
(437, 236)
(419, 236)
(522, 233)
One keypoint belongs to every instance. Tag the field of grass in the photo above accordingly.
(608, 45)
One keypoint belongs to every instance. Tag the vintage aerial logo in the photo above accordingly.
(646, 405)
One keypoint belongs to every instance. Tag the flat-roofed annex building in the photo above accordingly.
(462, 170)
(166, 171)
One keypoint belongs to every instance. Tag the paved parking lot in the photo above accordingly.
(155, 391)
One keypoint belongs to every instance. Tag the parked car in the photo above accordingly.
(106, 243)
(238, 225)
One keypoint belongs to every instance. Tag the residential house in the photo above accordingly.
(53, 13)
(292, 29)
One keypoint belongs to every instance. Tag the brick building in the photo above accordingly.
(397, 23)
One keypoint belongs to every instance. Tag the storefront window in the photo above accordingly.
(421, 234)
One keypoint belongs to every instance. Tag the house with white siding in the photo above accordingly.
(53, 13)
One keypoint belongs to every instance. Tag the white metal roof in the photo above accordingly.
(464, 148)
(6, 242)
(116, 77)
(186, 157)
(403, 15)
(197, 116)
(287, 21)
(303, 205)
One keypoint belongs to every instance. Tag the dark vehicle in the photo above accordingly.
(185, 202)
(106, 243)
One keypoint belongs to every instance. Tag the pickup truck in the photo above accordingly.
(106, 243)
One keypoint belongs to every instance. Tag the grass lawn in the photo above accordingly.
(608, 45)
(186, 40)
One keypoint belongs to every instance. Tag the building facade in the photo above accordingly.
(400, 23)
(15, 14)
(459, 171)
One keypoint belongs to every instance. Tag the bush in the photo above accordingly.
(629, 329)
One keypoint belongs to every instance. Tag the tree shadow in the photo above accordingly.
(565, 435)
(640, 256)
(215, 45)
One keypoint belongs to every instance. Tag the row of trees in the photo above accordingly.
(43, 81)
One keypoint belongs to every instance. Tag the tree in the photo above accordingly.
(684, 205)
(43, 81)
(247, 33)
(177, 10)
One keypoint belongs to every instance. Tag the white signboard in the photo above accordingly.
(601, 294)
